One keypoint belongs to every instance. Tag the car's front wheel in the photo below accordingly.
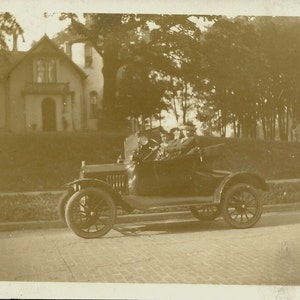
(62, 203)
(206, 212)
(90, 213)
(241, 207)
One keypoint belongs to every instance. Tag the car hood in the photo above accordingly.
(106, 168)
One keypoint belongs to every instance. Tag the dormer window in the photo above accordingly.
(45, 70)
(88, 55)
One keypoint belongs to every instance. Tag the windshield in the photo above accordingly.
(131, 143)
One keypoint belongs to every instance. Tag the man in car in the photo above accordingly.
(180, 146)
(173, 144)
(188, 142)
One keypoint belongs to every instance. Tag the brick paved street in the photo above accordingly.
(172, 252)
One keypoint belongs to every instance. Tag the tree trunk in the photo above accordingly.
(234, 128)
(269, 127)
(253, 127)
(111, 65)
(263, 122)
(280, 120)
(239, 128)
(173, 101)
(273, 127)
(287, 123)
(281, 116)
(184, 103)
(223, 124)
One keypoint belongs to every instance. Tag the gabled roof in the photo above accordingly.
(8, 59)
(45, 43)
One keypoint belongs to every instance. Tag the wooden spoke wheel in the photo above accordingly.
(206, 212)
(90, 213)
(62, 203)
(241, 207)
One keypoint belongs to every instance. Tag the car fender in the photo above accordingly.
(252, 179)
(91, 182)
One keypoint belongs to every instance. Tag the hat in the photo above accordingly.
(174, 129)
(163, 132)
(187, 127)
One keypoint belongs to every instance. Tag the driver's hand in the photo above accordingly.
(154, 148)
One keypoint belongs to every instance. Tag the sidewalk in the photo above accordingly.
(134, 218)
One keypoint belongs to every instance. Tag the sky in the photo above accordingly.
(33, 31)
(29, 13)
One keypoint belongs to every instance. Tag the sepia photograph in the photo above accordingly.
(149, 150)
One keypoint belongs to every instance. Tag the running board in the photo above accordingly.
(151, 202)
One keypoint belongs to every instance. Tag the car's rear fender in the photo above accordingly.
(236, 178)
(91, 182)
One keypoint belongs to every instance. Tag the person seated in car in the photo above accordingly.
(181, 146)
(164, 137)
(167, 146)
(172, 144)
(188, 142)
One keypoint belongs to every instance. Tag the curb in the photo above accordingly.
(125, 219)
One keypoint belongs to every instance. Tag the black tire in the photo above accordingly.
(90, 213)
(62, 203)
(206, 212)
(241, 207)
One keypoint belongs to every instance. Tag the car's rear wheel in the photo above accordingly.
(62, 203)
(90, 213)
(206, 212)
(241, 207)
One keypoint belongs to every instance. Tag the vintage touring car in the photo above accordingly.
(90, 204)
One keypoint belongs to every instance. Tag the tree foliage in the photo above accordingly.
(8, 27)
(109, 35)
(231, 56)
(253, 70)
(242, 71)
(175, 49)
(138, 92)
(169, 50)
(278, 86)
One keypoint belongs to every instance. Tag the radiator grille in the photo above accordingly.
(116, 181)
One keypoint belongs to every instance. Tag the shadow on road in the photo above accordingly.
(169, 227)
(184, 226)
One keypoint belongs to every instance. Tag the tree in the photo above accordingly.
(230, 49)
(115, 35)
(9, 27)
(279, 86)
(66, 35)
(139, 92)
(176, 56)
(109, 35)
(253, 70)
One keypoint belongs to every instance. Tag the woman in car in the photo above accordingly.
(180, 146)
(164, 137)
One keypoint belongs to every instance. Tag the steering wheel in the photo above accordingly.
(154, 141)
(153, 149)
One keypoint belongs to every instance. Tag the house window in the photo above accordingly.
(88, 55)
(45, 70)
(93, 104)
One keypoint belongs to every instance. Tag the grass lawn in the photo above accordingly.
(37, 162)
(44, 207)
(42, 162)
